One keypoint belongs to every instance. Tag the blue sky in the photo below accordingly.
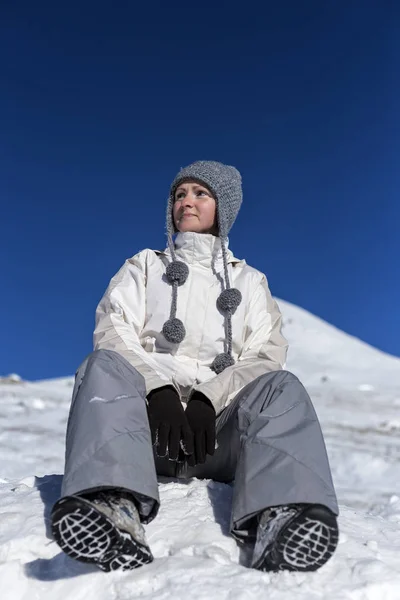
(101, 103)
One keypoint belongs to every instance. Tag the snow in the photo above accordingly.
(356, 392)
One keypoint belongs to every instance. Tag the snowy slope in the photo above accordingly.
(356, 392)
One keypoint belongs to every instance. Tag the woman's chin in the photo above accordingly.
(186, 229)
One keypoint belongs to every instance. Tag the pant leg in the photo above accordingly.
(108, 442)
(273, 432)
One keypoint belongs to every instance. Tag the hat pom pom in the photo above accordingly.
(174, 331)
(229, 300)
(221, 362)
(177, 272)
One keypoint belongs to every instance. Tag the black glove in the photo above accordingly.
(169, 427)
(201, 417)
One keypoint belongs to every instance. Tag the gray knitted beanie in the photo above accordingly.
(225, 183)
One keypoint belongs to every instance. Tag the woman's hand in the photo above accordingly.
(169, 426)
(201, 417)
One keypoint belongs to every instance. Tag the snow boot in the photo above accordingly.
(299, 537)
(103, 528)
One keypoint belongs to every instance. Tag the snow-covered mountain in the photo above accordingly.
(356, 392)
(318, 349)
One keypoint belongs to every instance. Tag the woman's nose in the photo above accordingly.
(188, 200)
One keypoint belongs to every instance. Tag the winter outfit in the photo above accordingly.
(195, 388)
(130, 318)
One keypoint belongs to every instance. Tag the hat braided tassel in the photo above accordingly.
(174, 330)
(227, 302)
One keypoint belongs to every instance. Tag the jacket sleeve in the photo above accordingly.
(264, 350)
(120, 317)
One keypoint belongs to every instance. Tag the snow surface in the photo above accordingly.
(356, 392)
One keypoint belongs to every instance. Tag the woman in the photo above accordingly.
(187, 380)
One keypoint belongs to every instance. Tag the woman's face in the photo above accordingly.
(194, 209)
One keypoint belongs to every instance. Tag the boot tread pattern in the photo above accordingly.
(306, 543)
(87, 535)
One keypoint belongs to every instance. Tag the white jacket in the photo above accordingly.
(137, 302)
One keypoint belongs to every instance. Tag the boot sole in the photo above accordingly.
(87, 535)
(305, 543)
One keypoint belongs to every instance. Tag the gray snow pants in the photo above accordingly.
(270, 444)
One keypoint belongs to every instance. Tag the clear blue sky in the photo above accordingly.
(101, 103)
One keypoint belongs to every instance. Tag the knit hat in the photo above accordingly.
(225, 184)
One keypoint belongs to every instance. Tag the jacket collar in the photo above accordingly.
(200, 248)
